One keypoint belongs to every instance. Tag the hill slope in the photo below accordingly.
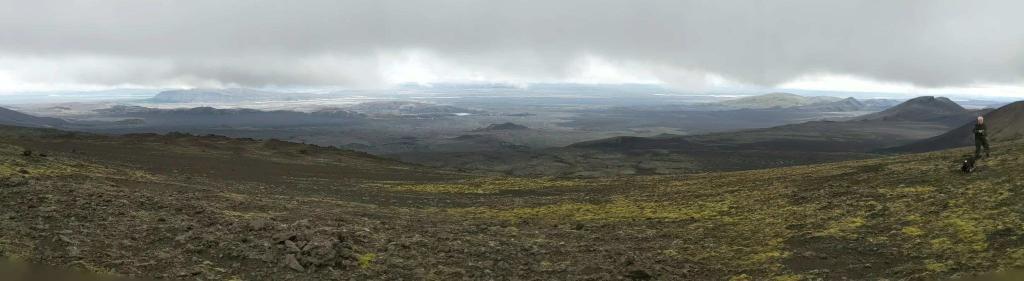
(787, 145)
(847, 104)
(14, 118)
(915, 119)
(190, 118)
(96, 208)
(1005, 123)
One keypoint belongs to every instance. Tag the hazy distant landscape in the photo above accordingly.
(247, 140)
(548, 130)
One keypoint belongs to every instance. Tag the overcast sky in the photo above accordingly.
(920, 46)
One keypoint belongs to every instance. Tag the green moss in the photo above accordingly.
(58, 166)
(1014, 260)
(788, 277)
(670, 253)
(619, 209)
(366, 260)
(751, 238)
(486, 185)
(845, 228)
(912, 231)
(969, 234)
(94, 270)
(914, 190)
(934, 266)
(766, 257)
(741, 277)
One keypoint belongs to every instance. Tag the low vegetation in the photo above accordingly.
(904, 217)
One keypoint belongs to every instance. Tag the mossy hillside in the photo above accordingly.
(214, 146)
(220, 157)
(488, 185)
(911, 217)
(14, 164)
(926, 218)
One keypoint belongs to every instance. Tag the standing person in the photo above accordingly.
(980, 139)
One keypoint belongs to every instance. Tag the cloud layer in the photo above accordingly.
(365, 43)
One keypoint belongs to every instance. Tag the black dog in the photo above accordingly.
(968, 165)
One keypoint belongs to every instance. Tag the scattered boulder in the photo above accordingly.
(291, 246)
(291, 262)
(26, 153)
(306, 248)
(74, 252)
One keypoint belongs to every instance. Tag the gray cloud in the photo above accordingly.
(255, 42)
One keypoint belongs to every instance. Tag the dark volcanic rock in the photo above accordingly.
(507, 126)
(291, 262)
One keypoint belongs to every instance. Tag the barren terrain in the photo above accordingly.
(214, 208)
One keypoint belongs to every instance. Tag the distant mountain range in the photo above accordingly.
(507, 126)
(915, 119)
(209, 116)
(776, 100)
(409, 108)
(786, 145)
(224, 96)
(15, 118)
(847, 104)
(808, 103)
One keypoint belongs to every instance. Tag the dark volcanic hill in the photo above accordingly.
(880, 104)
(14, 118)
(1005, 123)
(634, 143)
(507, 126)
(924, 109)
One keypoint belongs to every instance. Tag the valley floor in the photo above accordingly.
(213, 208)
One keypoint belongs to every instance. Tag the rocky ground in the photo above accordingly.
(213, 208)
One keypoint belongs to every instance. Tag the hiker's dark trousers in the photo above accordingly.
(980, 142)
